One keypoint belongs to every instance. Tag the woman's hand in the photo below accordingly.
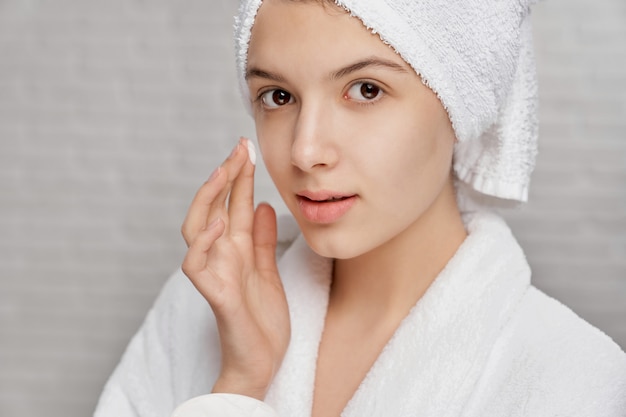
(231, 261)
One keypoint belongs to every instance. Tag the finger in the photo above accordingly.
(264, 239)
(197, 215)
(195, 259)
(210, 201)
(232, 168)
(241, 199)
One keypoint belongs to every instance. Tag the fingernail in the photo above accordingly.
(251, 151)
(214, 174)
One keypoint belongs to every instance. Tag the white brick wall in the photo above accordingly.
(113, 112)
(574, 229)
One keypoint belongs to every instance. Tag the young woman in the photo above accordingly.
(389, 128)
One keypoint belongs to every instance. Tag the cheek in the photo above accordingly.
(411, 162)
(429, 140)
(274, 144)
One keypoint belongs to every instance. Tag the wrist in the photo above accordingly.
(242, 385)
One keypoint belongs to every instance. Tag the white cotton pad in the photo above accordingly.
(251, 151)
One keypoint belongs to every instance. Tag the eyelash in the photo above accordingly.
(365, 102)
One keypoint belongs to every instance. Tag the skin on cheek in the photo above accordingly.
(394, 153)
(419, 172)
(276, 158)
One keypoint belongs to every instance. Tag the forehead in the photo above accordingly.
(311, 33)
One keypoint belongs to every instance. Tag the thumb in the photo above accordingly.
(264, 240)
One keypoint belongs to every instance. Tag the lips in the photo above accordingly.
(324, 207)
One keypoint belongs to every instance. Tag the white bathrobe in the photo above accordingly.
(482, 342)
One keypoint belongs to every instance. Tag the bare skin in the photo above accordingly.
(249, 302)
(231, 261)
(363, 313)
(367, 304)
(323, 131)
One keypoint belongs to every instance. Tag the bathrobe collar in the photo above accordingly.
(433, 361)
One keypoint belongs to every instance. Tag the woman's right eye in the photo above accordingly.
(276, 98)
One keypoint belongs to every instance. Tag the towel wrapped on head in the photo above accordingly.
(477, 56)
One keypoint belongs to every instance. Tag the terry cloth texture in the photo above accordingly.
(482, 342)
(477, 56)
(223, 405)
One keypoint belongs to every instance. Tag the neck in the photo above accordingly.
(385, 283)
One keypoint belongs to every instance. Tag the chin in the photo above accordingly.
(335, 244)
(330, 252)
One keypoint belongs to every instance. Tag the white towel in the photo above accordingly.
(476, 55)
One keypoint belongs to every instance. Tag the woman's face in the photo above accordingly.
(358, 147)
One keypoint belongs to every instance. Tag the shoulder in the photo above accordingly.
(175, 354)
(556, 336)
(549, 361)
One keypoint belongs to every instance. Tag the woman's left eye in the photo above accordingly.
(364, 91)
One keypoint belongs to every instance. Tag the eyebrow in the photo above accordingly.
(255, 72)
(366, 63)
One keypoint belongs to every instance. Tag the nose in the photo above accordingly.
(313, 145)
